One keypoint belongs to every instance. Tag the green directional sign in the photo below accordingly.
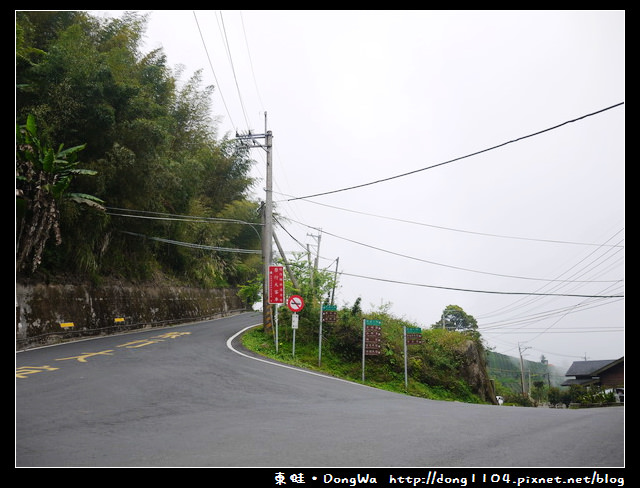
(330, 314)
(413, 335)
(371, 339)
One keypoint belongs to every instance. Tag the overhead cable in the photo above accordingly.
(478, 291)
(395, 219)
(451, 266)
(168, 216)
(214, 71)
(196, 246)
(458, 158)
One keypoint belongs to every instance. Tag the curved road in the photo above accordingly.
(189, 396)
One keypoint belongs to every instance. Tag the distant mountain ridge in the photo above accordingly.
(507, 370)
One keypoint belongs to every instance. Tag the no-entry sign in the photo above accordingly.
(295, 303)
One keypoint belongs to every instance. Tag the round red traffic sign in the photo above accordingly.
(295, 303)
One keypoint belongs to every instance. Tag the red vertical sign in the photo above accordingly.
(276, 284)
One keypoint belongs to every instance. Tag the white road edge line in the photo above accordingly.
(230, 346)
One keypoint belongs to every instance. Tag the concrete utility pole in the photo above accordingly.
(314, 271)
(335, 279)
(524, 393)
(313, 288)
(267, 216)
(268, 236)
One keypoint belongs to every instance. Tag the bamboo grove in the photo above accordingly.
(114, 150)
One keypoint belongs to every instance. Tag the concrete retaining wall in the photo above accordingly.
(40, 309)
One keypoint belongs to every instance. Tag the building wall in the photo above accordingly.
(613, 376)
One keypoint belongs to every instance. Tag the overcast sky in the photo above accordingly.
(509, 129)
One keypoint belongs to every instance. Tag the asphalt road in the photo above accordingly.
(188, 396)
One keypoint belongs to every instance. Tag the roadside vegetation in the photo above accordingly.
(443, 366)
(120, 172)
(433, 368)
(440, 368)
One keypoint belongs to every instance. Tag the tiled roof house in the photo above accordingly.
(607, 373)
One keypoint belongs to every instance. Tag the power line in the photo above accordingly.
(246, 42)
(233, 70)
(518, 303)
(459, 158)
(587, 330)
(523, 321)
(479, 291)
(214, 71)
(195, 246)
(144, 214)
(451, 266)
(395, 219)
(184, 218)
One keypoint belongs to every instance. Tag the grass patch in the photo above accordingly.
(378, 372)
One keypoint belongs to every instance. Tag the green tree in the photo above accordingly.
(151, 140)
(86, 84)
(43, 176)
(314, 286)
(538, 391)
(559, 396)
(456, 319)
